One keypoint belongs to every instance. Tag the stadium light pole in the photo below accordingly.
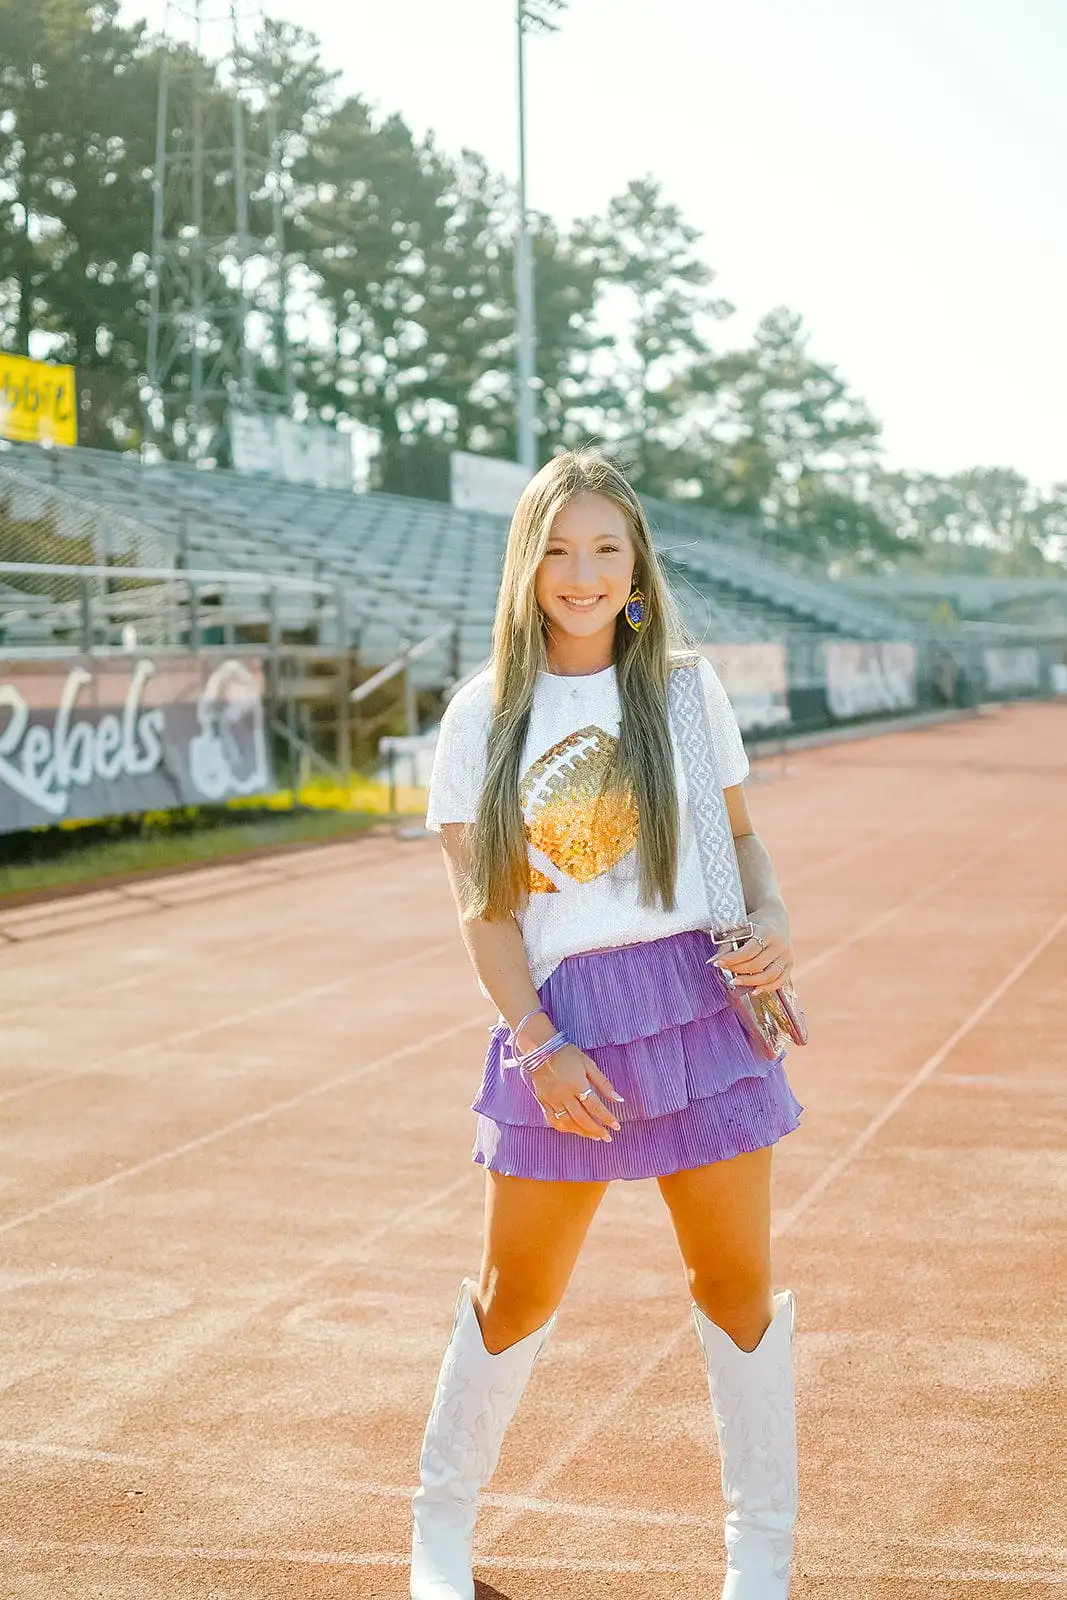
(531, 16)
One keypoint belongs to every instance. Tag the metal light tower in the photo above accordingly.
(200, 358)
(531, 16)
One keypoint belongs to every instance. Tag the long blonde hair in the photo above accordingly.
(643, 764)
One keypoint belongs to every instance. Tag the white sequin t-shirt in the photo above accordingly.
(583, 864)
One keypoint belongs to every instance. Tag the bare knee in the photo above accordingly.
(738, 1300)
(508, 1311)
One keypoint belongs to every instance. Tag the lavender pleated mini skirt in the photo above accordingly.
(656, 1020)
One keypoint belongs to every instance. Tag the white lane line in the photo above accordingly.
(548, 1508)
(237, 880)
(915, 899)
(30, 1447)
(239, 1124)
(1049, 1553)
(614, 1402)
(925, 1576)
(929, 1066)
(592, 1513)
(228, 1555)
(347, 1255)
(210, 958)
(225, 1554)
(266, 1008)
(815, 869)
(411, 1213)
(585, 1435)
(876, 840)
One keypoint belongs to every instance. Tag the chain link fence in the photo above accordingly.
(49, 526)
(46, 536)
(77, 577)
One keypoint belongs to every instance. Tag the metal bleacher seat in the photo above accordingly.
(406, 564)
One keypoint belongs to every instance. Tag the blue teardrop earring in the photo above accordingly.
(635, 609)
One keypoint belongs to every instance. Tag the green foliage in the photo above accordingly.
(786, 423)
(459, 381)
(366, 211)
(644, 255)
(75, 204)
(988, 520)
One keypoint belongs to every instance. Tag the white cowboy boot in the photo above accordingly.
(476, 1397)
(753, 1403)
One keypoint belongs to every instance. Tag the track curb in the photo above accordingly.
(782, 744)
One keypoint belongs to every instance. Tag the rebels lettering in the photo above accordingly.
(44, 764)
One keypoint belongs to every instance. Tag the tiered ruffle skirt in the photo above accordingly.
(656, 1021)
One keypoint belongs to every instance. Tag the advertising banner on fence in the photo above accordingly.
(1012, 670)
(862, 679)
(756, 678)
(111, 738)
(37, 402)
(300, 452)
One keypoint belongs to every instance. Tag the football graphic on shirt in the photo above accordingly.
(567, 822)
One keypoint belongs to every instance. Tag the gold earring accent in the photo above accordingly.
(635, 609)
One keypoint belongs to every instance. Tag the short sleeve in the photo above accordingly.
(459, 758)
(730, 756)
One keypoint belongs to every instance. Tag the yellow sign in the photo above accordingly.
(37, 402)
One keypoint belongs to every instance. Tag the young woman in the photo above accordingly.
(560, 799)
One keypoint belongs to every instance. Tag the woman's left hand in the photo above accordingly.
(765, 960)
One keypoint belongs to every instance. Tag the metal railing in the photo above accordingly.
(53, 609)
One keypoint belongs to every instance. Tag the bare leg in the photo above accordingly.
(722, 1221)
(534, 1232)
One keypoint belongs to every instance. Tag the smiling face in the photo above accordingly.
(584, 578)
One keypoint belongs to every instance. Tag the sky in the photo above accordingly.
(893, 170)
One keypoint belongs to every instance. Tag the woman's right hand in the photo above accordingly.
(559, 1084)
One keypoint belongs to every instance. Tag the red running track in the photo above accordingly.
(236, 1200)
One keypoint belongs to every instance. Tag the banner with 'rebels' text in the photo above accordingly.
(85, 738)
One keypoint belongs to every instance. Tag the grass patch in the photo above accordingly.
(133, 845)
(92, 851)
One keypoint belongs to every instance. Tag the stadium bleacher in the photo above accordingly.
(984, 599)
(406, 565)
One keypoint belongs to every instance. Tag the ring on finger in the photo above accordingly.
(562, 1112)
(587, 1092)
